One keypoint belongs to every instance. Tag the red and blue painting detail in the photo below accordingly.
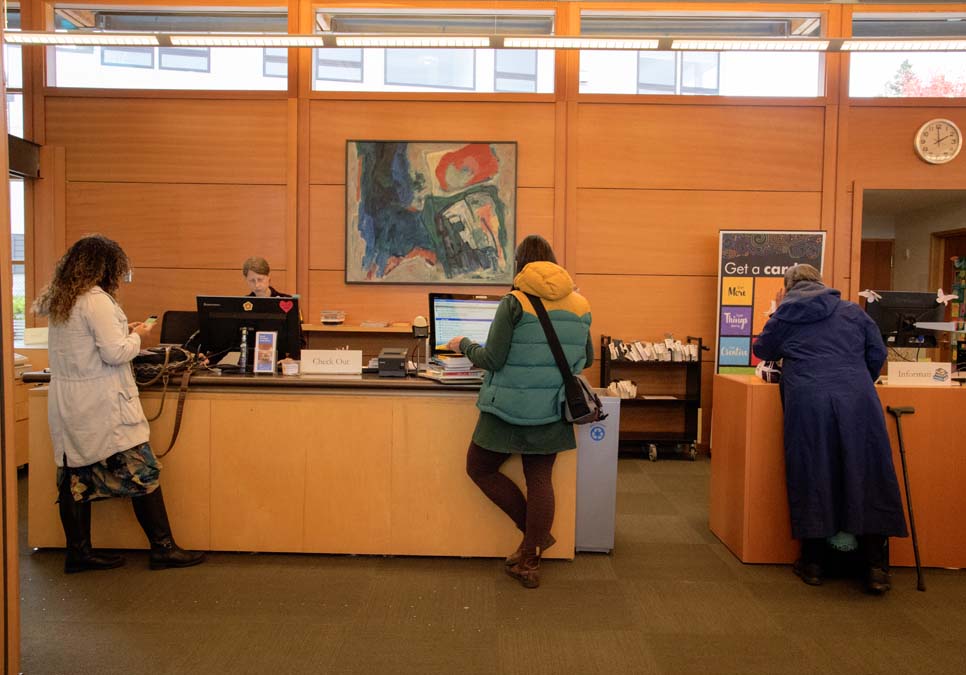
(430, 212)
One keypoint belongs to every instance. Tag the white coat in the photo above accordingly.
(93, 407)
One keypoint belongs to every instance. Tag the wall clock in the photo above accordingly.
(938, 141)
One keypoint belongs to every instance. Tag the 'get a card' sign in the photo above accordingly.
(752, 269)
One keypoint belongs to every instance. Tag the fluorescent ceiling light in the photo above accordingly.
(779, 45)
(579, 43)
(456, 41)
(245, 40)
(78, 38)
(903, 45)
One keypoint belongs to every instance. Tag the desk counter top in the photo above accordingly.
(365, 381)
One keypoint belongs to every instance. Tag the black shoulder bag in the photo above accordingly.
(158, 364)
(581, 405)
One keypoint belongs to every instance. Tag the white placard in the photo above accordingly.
(920, 373)
(331, 362)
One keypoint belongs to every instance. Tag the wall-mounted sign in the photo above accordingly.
(752, 269)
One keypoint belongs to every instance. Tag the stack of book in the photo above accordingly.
(449, 368)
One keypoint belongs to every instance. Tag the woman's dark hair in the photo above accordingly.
(93, 260)
(534, 248)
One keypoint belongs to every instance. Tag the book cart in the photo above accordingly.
(668, 402)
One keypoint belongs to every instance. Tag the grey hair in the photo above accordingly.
(801, 272)
(257, 265)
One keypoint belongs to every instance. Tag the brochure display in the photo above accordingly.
(265, 350)
(752, 266)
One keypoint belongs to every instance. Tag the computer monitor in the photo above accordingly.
(221, 318)
(453, 314)
(897, 313)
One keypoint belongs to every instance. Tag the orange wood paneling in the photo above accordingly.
(155, 290)
(700, 147)
(675, 231)
(646, 307)
(170, 141)
(327, 222)
(531, 125)
(880, 153)
(183, 226)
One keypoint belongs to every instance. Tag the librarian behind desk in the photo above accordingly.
(309, 465)
(749, 505)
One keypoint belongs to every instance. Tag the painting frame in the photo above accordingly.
(430, 212)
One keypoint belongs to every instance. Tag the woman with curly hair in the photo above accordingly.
(97, 427)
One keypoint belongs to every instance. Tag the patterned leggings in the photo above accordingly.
(533, 514)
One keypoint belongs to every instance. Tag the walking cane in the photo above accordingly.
(898, 413)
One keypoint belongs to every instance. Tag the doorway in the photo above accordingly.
(907, 240)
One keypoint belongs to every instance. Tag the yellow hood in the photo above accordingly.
(545, 279)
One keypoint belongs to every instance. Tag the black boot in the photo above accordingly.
(153, 518)
(875, 554)
(76, 520)
(809, 565)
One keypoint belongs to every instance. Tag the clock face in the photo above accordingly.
(938, 141)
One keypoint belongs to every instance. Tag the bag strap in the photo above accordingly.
(164, 394)
(179, 412)
(552, 338)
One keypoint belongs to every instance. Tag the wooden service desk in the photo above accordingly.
(311, 465)
(749, 504)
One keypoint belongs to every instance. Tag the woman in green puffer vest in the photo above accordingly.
(520, 400)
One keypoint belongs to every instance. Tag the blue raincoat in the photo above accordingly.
(838, 461)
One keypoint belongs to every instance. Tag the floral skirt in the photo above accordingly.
(130, 473)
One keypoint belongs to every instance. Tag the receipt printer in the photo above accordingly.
(392, 362)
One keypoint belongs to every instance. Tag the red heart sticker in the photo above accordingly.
(286, 305)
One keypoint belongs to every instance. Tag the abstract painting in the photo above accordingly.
(430, 212)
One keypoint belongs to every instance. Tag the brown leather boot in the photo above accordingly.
(527, 569)
(514, 557)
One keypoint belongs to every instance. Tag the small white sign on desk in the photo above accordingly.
(920, 373)
(331, 362)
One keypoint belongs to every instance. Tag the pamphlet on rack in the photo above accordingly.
(265, 350)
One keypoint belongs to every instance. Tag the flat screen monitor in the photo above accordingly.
(221, 318)
(897, 313)
(453, 314)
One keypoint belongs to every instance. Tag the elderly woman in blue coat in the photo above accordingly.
(838, 460)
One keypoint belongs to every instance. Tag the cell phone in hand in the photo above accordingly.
(151, 319)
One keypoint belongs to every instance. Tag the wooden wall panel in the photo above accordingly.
(531, 125)
(647, 307)
(676, 232)
(183, 226)
(700, 147)
(327, 227)
(155, 290)
(327, 222)
(879, 147)
(169, 140)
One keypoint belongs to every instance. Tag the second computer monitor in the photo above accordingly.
(455, 314)
(897, 313)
